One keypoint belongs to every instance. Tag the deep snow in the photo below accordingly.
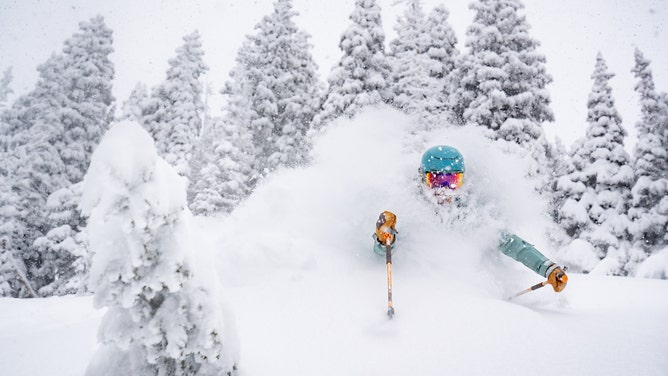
(297, 269)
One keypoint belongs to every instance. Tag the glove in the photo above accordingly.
(558, 279)
(385, 230)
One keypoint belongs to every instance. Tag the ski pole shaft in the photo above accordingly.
(532, 288)
(388, 255)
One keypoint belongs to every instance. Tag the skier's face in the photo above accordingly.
(448, 180)
(443, 186)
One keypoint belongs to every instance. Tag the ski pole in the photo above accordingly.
(532, 288)
(388, 255)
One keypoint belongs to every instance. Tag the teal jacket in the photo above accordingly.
(515, 247)
(380, 248)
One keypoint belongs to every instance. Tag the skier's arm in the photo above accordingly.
(517, 248)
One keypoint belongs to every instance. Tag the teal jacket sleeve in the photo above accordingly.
(515, 247)
(379, 248)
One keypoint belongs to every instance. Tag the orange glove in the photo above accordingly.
(385, 230)
(558, 279)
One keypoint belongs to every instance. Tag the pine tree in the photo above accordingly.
(361, 76)
(133, 107)
(442, 51)
(559, 167)
(50, 133)
(415, 89)
(501, 83)
(162, 317)
(200, 147)
(649, 212)
(89, 105)
(175, 110)
(33, 168)
(13, 280)
(64, 249)
(443, 42)
(5, 89)
(226, 177)
(599, 182)
(274, 91)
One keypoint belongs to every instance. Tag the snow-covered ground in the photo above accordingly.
(317, 323)
(309, 295)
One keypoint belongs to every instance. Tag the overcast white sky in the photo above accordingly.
(147, 32)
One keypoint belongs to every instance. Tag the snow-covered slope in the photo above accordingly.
(309, 295)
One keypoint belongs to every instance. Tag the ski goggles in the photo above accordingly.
(452, 180)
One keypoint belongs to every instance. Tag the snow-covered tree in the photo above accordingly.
(559, 167)
(415, 88)
(442, 50)
(360, 78)
(5, 89)
(443, 42)
(200, 149)
(72, 100)
(32, 166)
(13, 280)
(133, 107)
(274, 91)
(226, 176)
(163, 318)
(89, 106)
(649, 211)
(174, 112)
(64, 249)
(501, 82)
(410, 30)
(558, 164)
(598, 185)
(49, 134)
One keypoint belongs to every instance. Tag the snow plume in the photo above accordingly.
(321, 216)
(162, 317)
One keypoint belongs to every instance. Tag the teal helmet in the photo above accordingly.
(442, 159)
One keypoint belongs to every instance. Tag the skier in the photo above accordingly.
(442, 172)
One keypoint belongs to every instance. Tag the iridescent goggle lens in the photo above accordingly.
(452, 180)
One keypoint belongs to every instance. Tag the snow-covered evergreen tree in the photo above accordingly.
(64, 249)
(226, 177)
(162, 317)
(649, 211)
(72, 99)
(32, 166)
(443, 42)
(442, 50)
(411, 34)
(13, 280)
(174, 112)
(89, 106)
(5, 89)
(415, 88)
(559, 167)
(50, 133)
(133, 107)
(360, 78)
(599, 182)
(274, 90)
(501, 82)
